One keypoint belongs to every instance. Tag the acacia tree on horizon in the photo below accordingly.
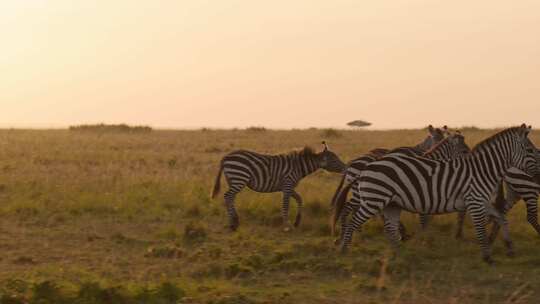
(358, 123)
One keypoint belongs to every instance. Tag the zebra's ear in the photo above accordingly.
(446, 131)
(325, 146)
(431, 130)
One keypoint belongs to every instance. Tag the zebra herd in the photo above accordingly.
(439, 175)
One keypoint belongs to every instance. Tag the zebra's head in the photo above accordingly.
(526, 156)
(435, 136)
(329, 161)
(458, 143)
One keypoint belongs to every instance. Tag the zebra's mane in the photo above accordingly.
(486, 142)
(378, 152)
(306, 151)
(436, 146)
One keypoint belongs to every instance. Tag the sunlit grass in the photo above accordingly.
(89, 215)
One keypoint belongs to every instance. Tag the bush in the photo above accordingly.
(235, 299)
(169, 293)
(46, 292)
(256, 129)
(469, 128)
(331, 133)
(168, 252)
(194, 233)
(213, 149)
(102, 128)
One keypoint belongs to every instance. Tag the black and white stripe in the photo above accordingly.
(453, 146)
(421, 185)
(519, 185)
(272, 173)
(355, 166)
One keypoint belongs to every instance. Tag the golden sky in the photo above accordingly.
(281, 64)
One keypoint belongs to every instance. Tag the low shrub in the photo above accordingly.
(118, 128)
(256, 129)
(331, 133)
(194, 233)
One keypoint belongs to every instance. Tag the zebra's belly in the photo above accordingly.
(456, 205)
(441, 207)
(264, 188)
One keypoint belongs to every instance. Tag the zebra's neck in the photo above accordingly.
(491, 165)
(443, 151)
(424, 145)
(305, 165)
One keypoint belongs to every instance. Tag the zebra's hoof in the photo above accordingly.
(297, 220)
(489, 260)
(405, 237)
(459, 236)
(234, 225)
(343, 250)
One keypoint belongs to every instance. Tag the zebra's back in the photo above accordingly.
(420, 185)
(260, 172)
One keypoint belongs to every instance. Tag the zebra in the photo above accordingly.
(422, 185)
(272, 173)
(452, 146)
(519, 185)
(355, 166)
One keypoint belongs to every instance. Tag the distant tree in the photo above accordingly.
(358, 123)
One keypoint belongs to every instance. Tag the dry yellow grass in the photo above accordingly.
(133, 210)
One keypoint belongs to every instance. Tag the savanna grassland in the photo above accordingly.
(116, 217)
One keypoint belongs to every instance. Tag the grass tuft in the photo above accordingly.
(194, 233)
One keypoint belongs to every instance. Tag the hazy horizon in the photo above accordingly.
(189, 64)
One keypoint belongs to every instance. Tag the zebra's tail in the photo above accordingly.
(338, 190)
(340, 203)
(217, 184)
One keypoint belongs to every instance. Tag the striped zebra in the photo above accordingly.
(421, 185)
(519, 185)
(355, 166)
(272, 173)
(451, 147)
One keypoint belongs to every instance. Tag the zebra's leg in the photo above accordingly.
(532, 213)
(460, 222)
(299, 203)
(403, 232)
(391, 226)
(502, 222)
(287, 193)
(502, 205)
(349, 207)
(364, 212)
(494, 232)
(229, 204)
(498, 216)
(424, 220)
(478, 215)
